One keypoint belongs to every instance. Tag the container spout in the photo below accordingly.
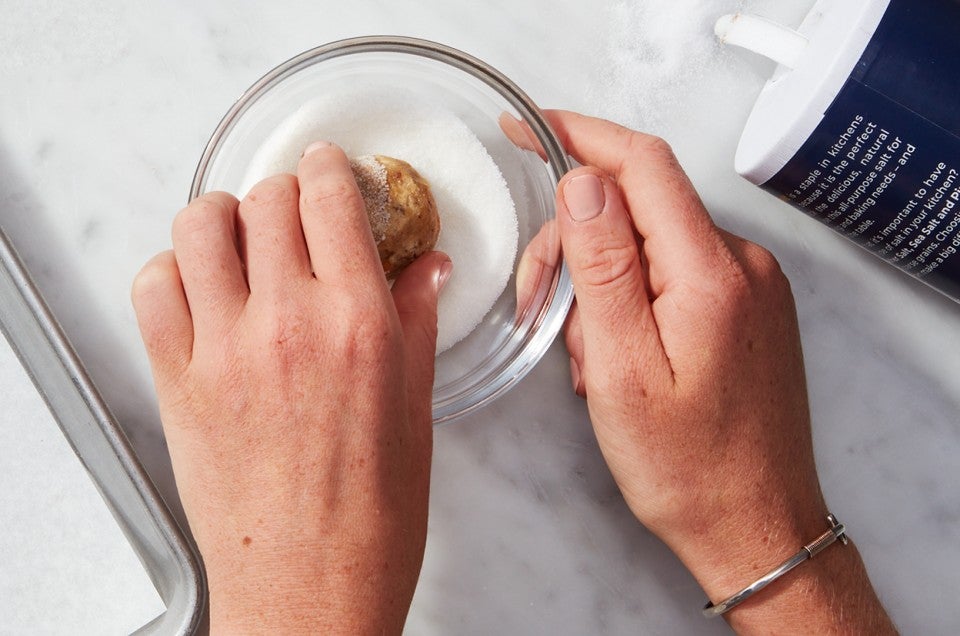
(760, 35)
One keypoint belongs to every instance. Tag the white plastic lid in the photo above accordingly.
(792, 103)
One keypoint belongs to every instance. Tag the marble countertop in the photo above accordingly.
(104, 111)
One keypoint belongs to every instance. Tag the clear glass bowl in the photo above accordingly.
(514, 335)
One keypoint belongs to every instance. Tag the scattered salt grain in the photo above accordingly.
(658, 54)
(654, 51)
(478, 221)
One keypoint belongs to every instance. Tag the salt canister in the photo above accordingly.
(859, 126)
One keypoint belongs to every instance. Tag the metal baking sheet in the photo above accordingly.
(102, 448)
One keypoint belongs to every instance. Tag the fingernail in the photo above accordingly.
(575, 374)
(317, 145)
(444, 275)
(584, 197)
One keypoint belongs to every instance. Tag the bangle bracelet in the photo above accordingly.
(812, 549)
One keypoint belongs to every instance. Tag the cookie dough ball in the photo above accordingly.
(400, 207)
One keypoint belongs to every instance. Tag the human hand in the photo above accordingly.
(684, 341)
(295, 394)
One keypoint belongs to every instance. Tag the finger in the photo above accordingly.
(681, 238)
(415, 292)
(520, 134)
(338, 235)
(604, 260)
(754, 260)
(205, 245)
(163, 315)
(573, 334)
(536, 268)
(271, 237)
(573, 337)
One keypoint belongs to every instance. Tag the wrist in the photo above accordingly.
(324, 609)
(310, 596)
(743, 544)
(253, 596)
(830, 593)
(741, 534)
(836, 532)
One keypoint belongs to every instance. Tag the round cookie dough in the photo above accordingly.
(400, 207)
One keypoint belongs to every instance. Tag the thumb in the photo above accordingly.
(415, 293)
(600, 247)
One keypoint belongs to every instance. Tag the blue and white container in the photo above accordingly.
(860, 126)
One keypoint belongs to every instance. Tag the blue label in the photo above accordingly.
(883, 166)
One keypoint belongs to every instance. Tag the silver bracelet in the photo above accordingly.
(812, 549)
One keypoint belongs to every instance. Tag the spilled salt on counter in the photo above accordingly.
(478, 220)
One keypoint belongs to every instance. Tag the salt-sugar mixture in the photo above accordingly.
(478, 221)
(371, 178)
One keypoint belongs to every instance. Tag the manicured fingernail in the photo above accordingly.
(317, 145)
(584, 197)
(444, 275)
(575, 374)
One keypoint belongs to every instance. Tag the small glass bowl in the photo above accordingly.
(514, 335)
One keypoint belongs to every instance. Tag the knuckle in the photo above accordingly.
(278, 190)
(729, 277)
(765, 265)
(202, 214)
(291, 340)
(149, 277)
(283, 330)
(352, 330)
(373, 323)
(661, 148)
(650, 149)
(771, 283)
(644, 145)
(608, 264)
(367, 329)
(336, 194)
(734, 280)
(157, 279)
(744, 284)
(731, 298)
(754, 274)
